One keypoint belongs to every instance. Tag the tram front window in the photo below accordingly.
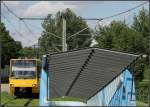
(23, 74)
(23, 69)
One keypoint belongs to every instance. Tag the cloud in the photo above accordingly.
(12, 4)
(94, 25)
(27, 39)
(105, 22)
(17, 7)
(43, 8)
(94, 42)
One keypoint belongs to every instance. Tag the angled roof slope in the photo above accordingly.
(82, 73)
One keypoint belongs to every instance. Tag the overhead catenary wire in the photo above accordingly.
(77, 32)
(101, 19)
(40, 28)
(30, 31)
(97, 19)
(120, 13)
(19, 33)
(45, 32)
(12, 25)
(14, 14)
(11, 11)
(26, 25)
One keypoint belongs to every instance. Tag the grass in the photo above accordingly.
(8, 100)
(5, 98)
(34, 102)
(139, 103)
(17, 102)
(146, 73)
(67, 99)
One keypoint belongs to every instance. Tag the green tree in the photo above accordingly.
(118, 36)
(73, 24)
(10, 48)
(28, 52)
(141, 24)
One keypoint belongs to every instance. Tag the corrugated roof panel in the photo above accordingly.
(64, 68)
(71, 76)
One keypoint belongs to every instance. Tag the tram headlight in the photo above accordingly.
(12, 85)
(34, 85)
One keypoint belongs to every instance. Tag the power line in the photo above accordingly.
(37, 27)
(37, 18)
(26, 25)
(77, 32)
(12, 25)
(18, 18)
(118, 14)
(32, 18)
(46, 32)
(124, 11)
(10, 10)
(98, 19)
(23, 21)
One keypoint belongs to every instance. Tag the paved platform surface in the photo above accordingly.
(4, 87)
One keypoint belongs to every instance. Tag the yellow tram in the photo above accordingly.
(24, 76)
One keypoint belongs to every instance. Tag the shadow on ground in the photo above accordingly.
(26, 95)
(19, 100)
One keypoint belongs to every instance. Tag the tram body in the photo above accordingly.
(24, 76)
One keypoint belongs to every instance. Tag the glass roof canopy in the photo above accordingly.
(82, 73)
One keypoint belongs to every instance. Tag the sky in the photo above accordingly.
(85, 9)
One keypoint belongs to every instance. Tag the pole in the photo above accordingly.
(38, 46)
(148, 66)
(35, 53)
(64, 44)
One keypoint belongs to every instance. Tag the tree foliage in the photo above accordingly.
(118, 36)
(73, 24)
(121, 37)
(141, 25)
(28, 52)
(10, 48)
